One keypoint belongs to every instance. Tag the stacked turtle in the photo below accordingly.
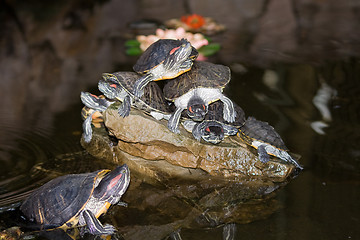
(193, 86)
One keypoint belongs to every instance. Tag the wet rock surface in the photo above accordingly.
(193, 184)
(142, 136)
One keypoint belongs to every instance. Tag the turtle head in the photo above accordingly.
(197, 109)
(113, 185)
(211, 131)
(179, 54)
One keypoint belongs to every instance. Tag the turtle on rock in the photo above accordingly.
(164, 59)
(78, 200)
(196, 89)
(266, 140)
(94, 104)
(119, 86)
(214, 128)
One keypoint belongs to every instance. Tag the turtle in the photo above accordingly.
(77, 200)
(95, 105)
(164, 59)
(119, 86)
(196, 89)
(96, 118)
(263, 137)
(214, 128)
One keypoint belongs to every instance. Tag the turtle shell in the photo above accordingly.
(202, 74)
(153, 98)
(254, 129)
(157, 52)
(215, 113)
(60, 200)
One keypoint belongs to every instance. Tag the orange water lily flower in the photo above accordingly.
(194, 21)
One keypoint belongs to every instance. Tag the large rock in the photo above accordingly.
(190, 184)
(142, 136)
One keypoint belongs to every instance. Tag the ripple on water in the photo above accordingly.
(31, 157)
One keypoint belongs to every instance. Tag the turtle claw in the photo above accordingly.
(173, 123)
(95, 227)
(140, 84)
(263, 155)
(174, 129)
(87, 129)
(124, 109)
(109, 229)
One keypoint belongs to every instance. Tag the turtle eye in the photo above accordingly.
(203, 106)
(173, 50)
(190, 109)
(207, 129)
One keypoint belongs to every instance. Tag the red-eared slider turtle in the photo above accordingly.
(119, 86)
(196, 89)
(77, 200)
(95, 104)
(266, 140)
(214, 128)
(164, 59)
(96, 116)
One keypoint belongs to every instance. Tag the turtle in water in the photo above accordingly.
(120, 85)
(266, 140)
(78, 200)
(214, 128)
(95, 105)
(164, 59)
(196, 89)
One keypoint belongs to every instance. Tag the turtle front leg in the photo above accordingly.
(198, 131)
(229, 111)
(95, 227)
(263, 155)
(124, 109)
(173, 123)
(87, 128)
(141, 83)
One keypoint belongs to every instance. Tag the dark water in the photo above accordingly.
(321, 203)
(51, 52)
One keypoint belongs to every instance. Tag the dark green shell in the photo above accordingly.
(202, 74)
(153, 98)
(261, 131)
(215, 113)
(156, 53)
(57, 201)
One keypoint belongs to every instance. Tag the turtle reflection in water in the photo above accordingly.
(164, 59)
(196, 89)
(78, 200)
(94, 106)
(214, 128)
(266, 140)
